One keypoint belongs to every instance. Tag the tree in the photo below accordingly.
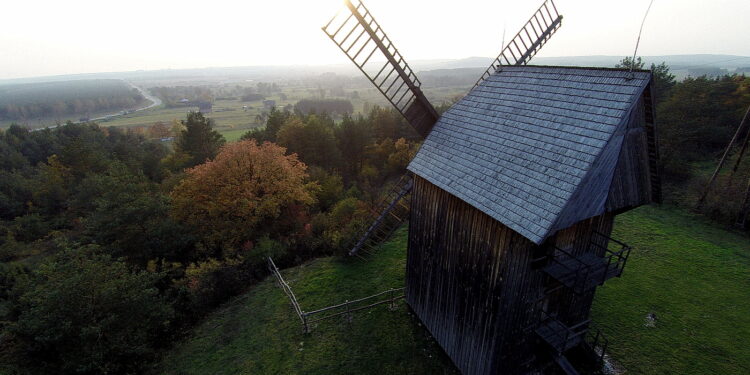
(630, 63)
(312, 139)
(353, 136)
(83, 312)
(198, 140)
(663, 79)
(240, 195)
(131, 217)
(274, 121)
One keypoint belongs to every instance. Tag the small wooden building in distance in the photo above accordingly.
(515, 192)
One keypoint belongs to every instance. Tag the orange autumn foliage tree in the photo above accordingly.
(238, 197)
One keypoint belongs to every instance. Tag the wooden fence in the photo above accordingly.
(390, 296)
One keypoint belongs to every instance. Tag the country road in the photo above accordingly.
(154, 102)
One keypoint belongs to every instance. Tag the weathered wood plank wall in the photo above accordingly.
(469, 279)
(631, 185)
(473, 283)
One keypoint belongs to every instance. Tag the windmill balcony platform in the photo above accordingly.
(585, 272)
(579, 349)
(559, 336)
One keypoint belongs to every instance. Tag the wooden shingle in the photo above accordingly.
(534, 147)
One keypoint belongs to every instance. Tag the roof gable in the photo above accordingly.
(533, 147)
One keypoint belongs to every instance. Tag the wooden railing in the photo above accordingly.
(585, 271)
(596, 344)
(390, 296)
(344, 309)
(616, 259)
(560, 336)
(288, 291)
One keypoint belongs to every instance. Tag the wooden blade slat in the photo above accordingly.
(546, 20)
(399, 76)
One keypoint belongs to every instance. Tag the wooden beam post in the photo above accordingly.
(723, 159)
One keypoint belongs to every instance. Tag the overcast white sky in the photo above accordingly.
(80, 36)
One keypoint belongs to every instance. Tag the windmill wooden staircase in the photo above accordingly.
(390, 213)
(605, 258)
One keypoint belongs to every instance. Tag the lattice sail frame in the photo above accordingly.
(362, 39)
(532, 36)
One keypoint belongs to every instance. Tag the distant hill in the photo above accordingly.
(681, 64)
(676, 62)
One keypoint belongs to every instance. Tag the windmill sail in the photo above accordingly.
(387, 217)
(529, 40)
(362, 39)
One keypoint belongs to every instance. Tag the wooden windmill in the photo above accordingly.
(512, 196)
(366, 44)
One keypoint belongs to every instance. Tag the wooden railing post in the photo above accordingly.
(305, 325)
(348, 312)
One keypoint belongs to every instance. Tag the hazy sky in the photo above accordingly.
(80, 36)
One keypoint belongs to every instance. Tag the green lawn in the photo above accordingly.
(693, 275)
(258, 333)
(234, 134)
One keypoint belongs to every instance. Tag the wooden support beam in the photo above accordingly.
(723, 159)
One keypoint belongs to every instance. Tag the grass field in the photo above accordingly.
(258, 333)
(230, 115)
(694, 276)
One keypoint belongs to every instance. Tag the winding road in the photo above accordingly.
(154, 102)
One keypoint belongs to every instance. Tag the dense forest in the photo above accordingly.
(149, 239)
(173, 95)
(35, 100)
(332, 106)
(113, 243)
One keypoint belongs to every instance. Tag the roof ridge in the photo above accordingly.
(625, 70)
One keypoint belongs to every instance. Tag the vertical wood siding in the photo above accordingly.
(472, 282)
(631, 185)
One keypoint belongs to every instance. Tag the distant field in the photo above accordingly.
(46, 103)
(233, 135)
(229, 115)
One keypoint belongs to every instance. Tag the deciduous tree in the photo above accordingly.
(237, 197)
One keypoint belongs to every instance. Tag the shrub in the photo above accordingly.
(84, 312)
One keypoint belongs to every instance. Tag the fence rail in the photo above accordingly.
(390, 296)
(287, 290)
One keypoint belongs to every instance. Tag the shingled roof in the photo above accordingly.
(534, 147)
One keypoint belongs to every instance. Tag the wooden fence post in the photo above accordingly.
(306, 326)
